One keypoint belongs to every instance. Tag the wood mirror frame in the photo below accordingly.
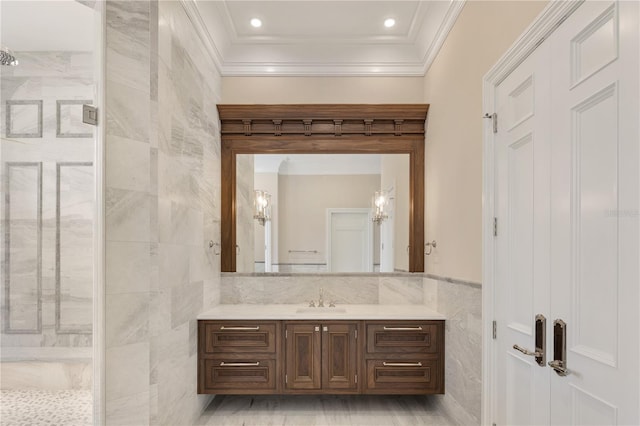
(324, 129)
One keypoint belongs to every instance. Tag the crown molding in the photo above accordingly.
(193, 13)
(295, 69)
(455, 7)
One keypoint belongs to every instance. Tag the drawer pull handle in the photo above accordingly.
(239, 364)
(256, 328)
(402, 364)
(403, 328)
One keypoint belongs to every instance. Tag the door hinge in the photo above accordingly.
(495, 330)
(356, 378)
(286, 379)
(495, 226)
(286, 334)
(356, 334)
(494, 120)
(90, 114)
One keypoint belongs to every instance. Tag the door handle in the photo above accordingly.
(559, 363)
(239, 364)
(541, 337)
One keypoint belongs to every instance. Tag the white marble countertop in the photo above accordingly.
(302, 312)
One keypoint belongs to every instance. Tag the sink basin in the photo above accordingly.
(324, 310)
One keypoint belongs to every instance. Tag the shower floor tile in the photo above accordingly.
(45, 407)
(323, 410)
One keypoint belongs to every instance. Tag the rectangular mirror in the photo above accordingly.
(298, 213)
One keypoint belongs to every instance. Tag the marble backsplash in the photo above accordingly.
(389, 289)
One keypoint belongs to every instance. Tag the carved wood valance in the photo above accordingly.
(322, 120)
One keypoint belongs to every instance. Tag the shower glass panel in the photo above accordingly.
(47, 206)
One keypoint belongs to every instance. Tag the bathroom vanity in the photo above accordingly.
(290, 349)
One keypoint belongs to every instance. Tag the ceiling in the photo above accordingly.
(311, 37)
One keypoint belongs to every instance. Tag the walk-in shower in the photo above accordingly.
(47, 210)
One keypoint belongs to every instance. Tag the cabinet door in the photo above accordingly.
(303, 356)
(339, 352)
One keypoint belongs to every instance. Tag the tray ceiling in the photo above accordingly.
(307, 37)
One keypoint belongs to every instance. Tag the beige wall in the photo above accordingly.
(453, 87)
(318, 90)
(303, 204)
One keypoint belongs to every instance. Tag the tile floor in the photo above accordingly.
(42, 407)
(303, 410)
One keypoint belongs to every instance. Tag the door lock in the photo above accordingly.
(541, 337)
(559, 363)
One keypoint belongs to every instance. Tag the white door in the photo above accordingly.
(387, 235)
(522, 268)
(349, 240)
(594, 213)
(566, 195)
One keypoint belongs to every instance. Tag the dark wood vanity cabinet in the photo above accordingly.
(320, 357)
(404, 357)
(238, 357)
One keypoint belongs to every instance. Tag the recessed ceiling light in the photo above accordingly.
(256, 23)
(389, 22)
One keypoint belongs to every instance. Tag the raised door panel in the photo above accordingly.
(339, 356)
(303, 356)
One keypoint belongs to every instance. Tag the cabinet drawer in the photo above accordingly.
(406, 376)
(238, 337)
(230, 375)
(403, 337)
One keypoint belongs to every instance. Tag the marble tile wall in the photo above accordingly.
(131, 244)
(163, 191)
(461, 303)
(301, 288)
(47, 246)
(244, 214)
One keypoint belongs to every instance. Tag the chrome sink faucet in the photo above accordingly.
(312, 303)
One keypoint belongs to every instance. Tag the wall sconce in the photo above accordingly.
(380, 203)
(261, 206)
